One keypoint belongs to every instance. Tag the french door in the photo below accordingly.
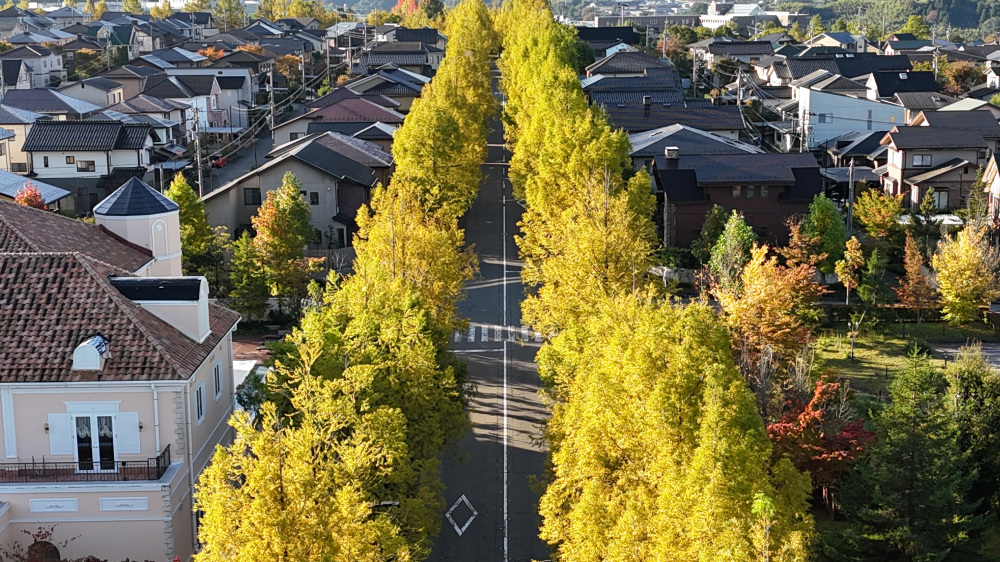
(95, 443)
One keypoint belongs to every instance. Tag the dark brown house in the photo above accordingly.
(766, 188)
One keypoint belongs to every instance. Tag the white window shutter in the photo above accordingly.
(62, 437)
(127, 433)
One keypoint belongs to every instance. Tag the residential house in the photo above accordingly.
(426, 35)
(649, 145)
(201, 24)
(111, 418)
(98, 91)
(765, 188)
(659, 85)
(45, 65)
(166, 110)
(56, 198)
(70, 50)
(89, 158)
(359, 111)
(830, 105)
(626, 65)
(389, 81)
(67, 16)
(158, 35)
(298, 24)
(915, 102)
(56, 105)
(884, 85)
(14, 20)
(712, 50)
(18, 121)
(16, 75)
(180, 58)
(782, 72)
(723, 120)
(946, 159)
(601, 39)
(848, 41)
(231, 92)
(415, 57)
(47, 37)
(863, 149)
(195, 93)
(132, 77)
(337, 174)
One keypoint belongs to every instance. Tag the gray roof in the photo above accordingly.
(626, 62)
(636, 117)
(176, 54)
(11, 183)
(43, 100)
(939, 170)
(230, 82)
(135, 199)
(146, 104)
(978, 122)
(49, 135)
(688, 140)
(14, 116)
(102, 83)
(934, 137)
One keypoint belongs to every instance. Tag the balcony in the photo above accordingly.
(116, 471)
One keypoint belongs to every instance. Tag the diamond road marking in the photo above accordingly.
(447, 515)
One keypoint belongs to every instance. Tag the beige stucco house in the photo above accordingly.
(114, 395)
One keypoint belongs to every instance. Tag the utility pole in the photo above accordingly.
(621, 19)
(850, 199)
(197, 148)
(329, 80)
(934, 44)
(270, 87)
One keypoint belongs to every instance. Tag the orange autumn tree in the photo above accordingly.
(775, 306)
(915, 291)
(29, 196)
(255, 49)
(212, 53)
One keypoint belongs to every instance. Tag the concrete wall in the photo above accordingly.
(847, 114)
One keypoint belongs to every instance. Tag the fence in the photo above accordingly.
(47, 471)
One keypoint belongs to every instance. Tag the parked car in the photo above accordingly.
(217, 160)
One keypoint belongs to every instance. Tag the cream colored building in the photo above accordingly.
(114, 388)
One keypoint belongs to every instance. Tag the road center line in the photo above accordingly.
(505, 533)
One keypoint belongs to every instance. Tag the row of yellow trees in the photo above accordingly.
(342, 462)
(657, 449)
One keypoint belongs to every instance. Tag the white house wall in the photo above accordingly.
(845, 115)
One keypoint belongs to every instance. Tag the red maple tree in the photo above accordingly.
(29, 196)
(815, 441)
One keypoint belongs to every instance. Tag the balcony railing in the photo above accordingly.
(46, 471)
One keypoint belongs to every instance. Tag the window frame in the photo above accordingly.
(255, 200)
(314, 198)
(217, 383)
(925, 161)
(199, 403)
(71, 160)
(83, 167)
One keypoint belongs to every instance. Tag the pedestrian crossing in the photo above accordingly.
(486, 333)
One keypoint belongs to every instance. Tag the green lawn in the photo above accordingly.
(886, 348)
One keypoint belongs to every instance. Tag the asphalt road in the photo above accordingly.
(493, 485)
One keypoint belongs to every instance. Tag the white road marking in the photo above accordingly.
(447, 515)
(496, 350)
(505, 529)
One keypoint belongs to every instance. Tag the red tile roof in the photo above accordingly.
(24, 229)
(52, 302)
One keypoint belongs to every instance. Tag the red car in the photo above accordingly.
(217, 160)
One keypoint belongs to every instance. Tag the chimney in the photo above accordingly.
(90, 355)
(181, 302)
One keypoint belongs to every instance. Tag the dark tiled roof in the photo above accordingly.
(939, 170)
(624, 62)
(636, 117)
(908, 45)
(15, 116)
(889, 83)
(356, 111)
(167, 87)
(933, 137)
(751, 168)
(200, 18)
(918, 101)
(741, 48)
(26, 52)
(591, 34)
(11, 70)
(42, 332)
(23, 229)
(427, 35)
(102, 136)
(145, 104)
(43, 100)
(230, 82)
(978, 122)
(688, 141)
(132, 71)
(864, 145)
(102, 83)
(134, 199)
